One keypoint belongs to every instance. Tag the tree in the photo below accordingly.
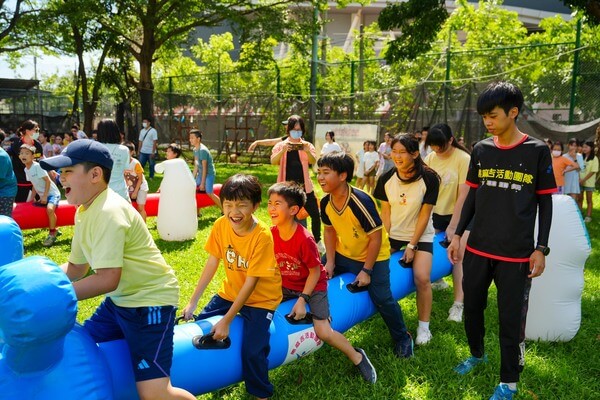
(591, 8)
(12, 14)
(419, 22)
(147, 27)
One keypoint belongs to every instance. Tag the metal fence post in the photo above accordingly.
(575, 73)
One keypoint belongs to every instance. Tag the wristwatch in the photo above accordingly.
(413, 247)
(545, 250)
(305, 297)
(367, 271)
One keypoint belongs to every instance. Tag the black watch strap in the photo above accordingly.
(367, 271)
(545, 250)
(305, 297)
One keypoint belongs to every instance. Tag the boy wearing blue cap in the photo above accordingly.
(141, 289)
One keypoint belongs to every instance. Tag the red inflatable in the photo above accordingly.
(29, 216)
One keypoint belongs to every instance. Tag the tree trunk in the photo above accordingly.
(145, 85)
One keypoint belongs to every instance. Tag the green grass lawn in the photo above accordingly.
(553, 370)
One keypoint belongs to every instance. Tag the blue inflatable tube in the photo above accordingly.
(47, 356)
(11, 239)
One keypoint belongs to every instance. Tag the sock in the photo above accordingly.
(424, 325)
(458, 303)
(511, 385)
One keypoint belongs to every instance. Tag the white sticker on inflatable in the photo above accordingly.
(301, 344)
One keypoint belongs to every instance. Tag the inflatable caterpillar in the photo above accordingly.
(46, 355)
(29, 216)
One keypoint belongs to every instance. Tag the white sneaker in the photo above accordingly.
(423, 336)
(321, 247)
(455, 313)
(439, 285)
(587, 219)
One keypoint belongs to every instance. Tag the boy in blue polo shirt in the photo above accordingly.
(112, 239)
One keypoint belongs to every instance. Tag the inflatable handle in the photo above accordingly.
(404, 264)
(307, 320)
(206, 342)
(354, 288)
(445, 242)
(179, 319)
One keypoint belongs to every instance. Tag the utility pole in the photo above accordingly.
(575, 73)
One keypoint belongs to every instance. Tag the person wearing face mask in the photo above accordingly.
(293, 155)
(27, 134)
(561, 165)
(148, 145)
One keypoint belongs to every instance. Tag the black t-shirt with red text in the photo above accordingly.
(508, 180)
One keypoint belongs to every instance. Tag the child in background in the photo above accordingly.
(252, 284)
(561, 165)
(140, 287)
(371, 160)
(572, 175)
(587, 178)
(43, 188)
(140, 188)
(303, 276)
(58, 145)
(360, 162)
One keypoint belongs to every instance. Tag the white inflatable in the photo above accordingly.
(555, 299)
(176, 219)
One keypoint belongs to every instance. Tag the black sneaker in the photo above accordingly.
(366, 369)
(405, 347)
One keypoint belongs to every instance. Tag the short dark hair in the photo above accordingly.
(129, 145)
(105, 171)
(149, 119)
(559, 143)
(108, 132)
(197, 133)
(500, 94)
(331, 135)
(292, 121)
(293, 194)
(339, 162)
(241, 187)
(175, 148)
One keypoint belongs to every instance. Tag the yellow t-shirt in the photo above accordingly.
(112, 234)
(453, 173)
(590, 166)
(250, 255)
(353, 224)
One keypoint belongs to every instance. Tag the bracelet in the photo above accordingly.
(367, 271)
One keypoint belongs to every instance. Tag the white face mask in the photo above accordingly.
(145, 125)
(296, 134)
(556, 153)
(36, 135)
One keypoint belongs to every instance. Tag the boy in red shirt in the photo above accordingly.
(303, 276)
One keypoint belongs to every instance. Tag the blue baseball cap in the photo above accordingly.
(78, 151)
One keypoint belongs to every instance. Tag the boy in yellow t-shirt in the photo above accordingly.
(252, 284)
(141, 289)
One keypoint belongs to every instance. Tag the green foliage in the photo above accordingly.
(418, 20)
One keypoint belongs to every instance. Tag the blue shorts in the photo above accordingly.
(147, 330)
(52, 199)
(209, 183)
(587, 188)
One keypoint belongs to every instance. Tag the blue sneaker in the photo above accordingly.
(405, 347)
(466, 366)
(503, 392)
